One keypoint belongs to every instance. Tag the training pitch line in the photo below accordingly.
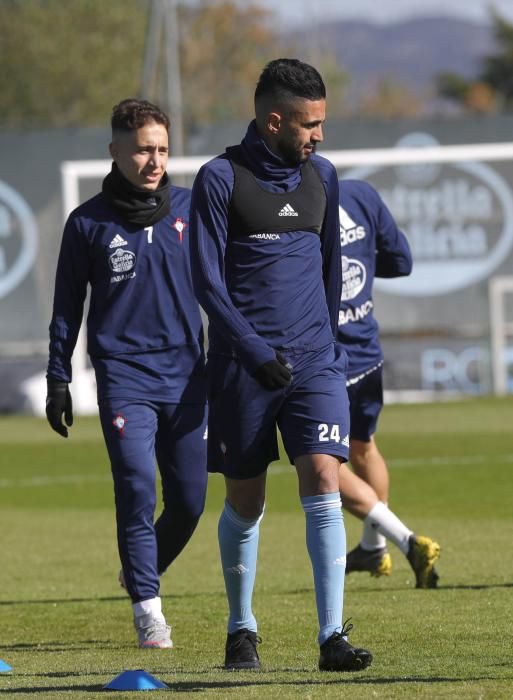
(398, 463)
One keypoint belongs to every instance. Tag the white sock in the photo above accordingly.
(152, 606)
(389, 525)
(371, 537)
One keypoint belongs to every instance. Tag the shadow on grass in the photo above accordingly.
(443, 587)
(298, 591)
(332, 679)
(61, 601)
(52, 689)
(121, 598)
(80, 645)
(474, 586)
(255, 680)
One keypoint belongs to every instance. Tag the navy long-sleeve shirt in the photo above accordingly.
(144, 329)
(264, 292)
(372, 246)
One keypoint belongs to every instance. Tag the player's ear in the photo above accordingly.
(113, 150)
(273, 122)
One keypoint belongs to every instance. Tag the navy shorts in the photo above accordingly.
(365, 404)
(312, 413)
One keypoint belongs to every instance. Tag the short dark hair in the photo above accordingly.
(132, 114)
(285, 78)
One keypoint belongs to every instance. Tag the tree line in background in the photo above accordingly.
(491, 91)
(66, 63)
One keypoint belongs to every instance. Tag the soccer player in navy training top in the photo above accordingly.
(265, 253)
(130, 244)
(372, 246)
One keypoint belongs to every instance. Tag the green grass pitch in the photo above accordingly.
(65, 625)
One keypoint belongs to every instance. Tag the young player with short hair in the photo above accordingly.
(130, 245)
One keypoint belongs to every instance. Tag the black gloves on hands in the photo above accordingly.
(58, 401)
(275, 374)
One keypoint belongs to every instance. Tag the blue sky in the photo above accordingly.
(304, 11)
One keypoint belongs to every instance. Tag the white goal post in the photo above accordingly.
(501, 328)
(72, 172)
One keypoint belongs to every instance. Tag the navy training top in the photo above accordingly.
(372, 246)
(144, 329)
(264, 292)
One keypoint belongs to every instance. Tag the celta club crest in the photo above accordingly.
(179, 226)
(119, 422)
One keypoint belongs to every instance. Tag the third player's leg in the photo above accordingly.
(357, 496)
(368, 463)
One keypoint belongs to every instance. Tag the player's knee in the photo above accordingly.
(247, 496)
(193, 509)
(189, 503)
(250, 509)
(135, 498)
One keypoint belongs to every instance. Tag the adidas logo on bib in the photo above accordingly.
(288, 211)
(117, 241)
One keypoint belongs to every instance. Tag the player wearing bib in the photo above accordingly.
(275, 280)
(372, 246)
(266, 269)
(130, 245)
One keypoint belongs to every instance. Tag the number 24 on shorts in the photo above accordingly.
(329, 433)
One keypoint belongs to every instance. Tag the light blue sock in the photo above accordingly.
(326, 543)
(238, 544)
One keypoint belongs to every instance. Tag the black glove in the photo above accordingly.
(274, 374)
(58, 401)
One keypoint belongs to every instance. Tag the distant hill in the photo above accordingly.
(411, 52)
